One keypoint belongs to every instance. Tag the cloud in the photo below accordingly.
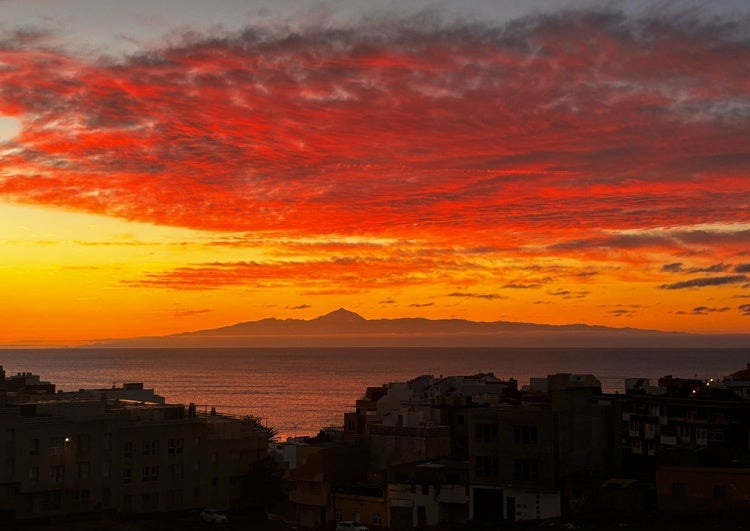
(672, 268)
(488, 296)
(554, 127)
(678, 268)
(745, 309)
(298, 307)
(423, 305)
(705, 282)
(190, 313)
(568, 294)
(704, 310)
(742, 268)
(515, 285)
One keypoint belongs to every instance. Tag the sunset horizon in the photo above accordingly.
(563, 163)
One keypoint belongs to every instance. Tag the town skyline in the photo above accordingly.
(559, 163)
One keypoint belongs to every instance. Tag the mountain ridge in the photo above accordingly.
(344, 328)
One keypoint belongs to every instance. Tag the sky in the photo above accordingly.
(167, 167)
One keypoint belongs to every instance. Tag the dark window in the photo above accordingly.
(150, 447)
(678, 490)
(425, 489)
(460, 420)
(524, 434)
(720, 492)
(175, 446)
(486, 432)
(487, 466)
(525, 469)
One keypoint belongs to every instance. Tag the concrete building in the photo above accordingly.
(703, 489)
(523, 455)
(63, 455)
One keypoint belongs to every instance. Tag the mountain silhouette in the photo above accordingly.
(344, 328)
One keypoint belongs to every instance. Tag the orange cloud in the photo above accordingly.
(577, 121)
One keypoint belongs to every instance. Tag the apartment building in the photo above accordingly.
(73, 454)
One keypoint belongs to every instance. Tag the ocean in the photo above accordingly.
(299, 390)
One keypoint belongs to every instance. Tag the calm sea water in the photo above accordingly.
(300, 390)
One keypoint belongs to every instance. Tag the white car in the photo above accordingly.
(351, 526)
(214, 517)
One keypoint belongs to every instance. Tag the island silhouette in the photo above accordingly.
(344, 328)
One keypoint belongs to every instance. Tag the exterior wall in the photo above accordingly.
(702, 489)
(370, 510)
(421, 501)
(532, 504)
(500, 454)
(148, 459)
(512, 504)
(393, 445)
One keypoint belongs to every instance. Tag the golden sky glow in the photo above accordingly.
(572, 167)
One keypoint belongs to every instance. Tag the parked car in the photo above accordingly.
(351, 526)
(213, 516)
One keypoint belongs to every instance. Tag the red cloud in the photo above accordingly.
(577, 122)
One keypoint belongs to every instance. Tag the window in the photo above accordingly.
(525, 469)
(486, 432)
(83, 471)
(678, 490)
(150, 447)
(51, 500)
(82, 495)
(176, 471)
(175, 446)
(375, 519)
(524, 434)
(56, 445)
(487, 466)
(425, 489)
(460, 419)
(720, 492)
(338, 516)
(106, 467)
(174, 497)
(150, 473)
(150, 500)
(128, 449)
(127, 475)
(56, 473)
(84, 443)
(33, 474)
(34, 447)
(107, 443)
